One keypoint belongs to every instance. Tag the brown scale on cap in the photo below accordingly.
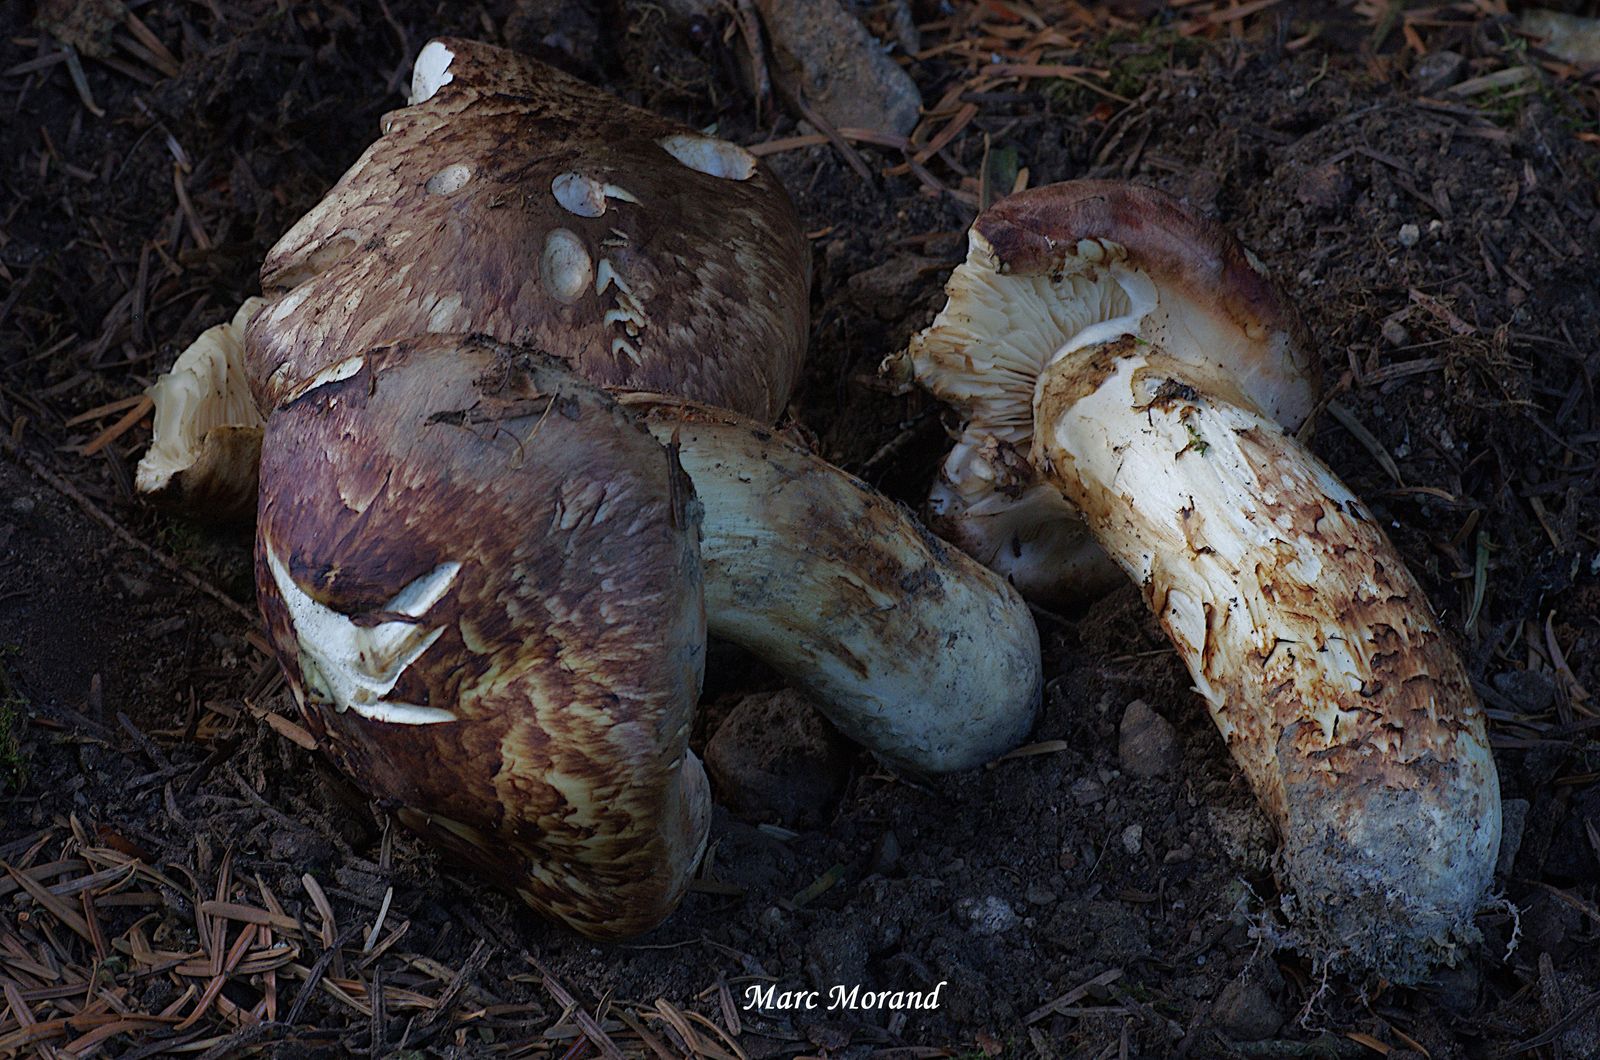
(519, 202)
(543, 729)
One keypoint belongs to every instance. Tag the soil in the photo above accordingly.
(1446, 253)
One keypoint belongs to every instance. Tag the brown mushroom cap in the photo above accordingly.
(516, 201)
(438, 521)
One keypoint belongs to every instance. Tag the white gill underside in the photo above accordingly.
(984, 354)
(356, 667)
(206, 389)
(987, 347)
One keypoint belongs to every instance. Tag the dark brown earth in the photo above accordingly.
(1460, 355)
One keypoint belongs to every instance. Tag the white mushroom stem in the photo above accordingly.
(912, 649)
(207, 428)
(1317, 653)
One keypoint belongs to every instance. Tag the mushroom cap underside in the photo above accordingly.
(1053, 269)
(1081, 261)
(207, 439)
(1238, 315)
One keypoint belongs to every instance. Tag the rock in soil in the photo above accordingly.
(840, 67)
(1437, 71)
(989, 915)
(774, 758)
(889, 289)
(1147, 742)
(1533, 692)
(1245, 1011)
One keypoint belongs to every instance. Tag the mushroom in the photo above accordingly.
(484, 576)
(207, 429)
(633, 247)
(1153, 372)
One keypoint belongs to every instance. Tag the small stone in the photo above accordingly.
(1410, 235)
(1395, 333)
(1039, 895)
(1147, 744)
(24, 505)
(841, 68)
(1086, 791)
(1133, 838)
(1245, 1011)
(1437, 71)
(990, 915)
(1531, 691)
(774, 758)
(1513, 823)
(886, 858)
(1324, 187)
(1178, 855)
(888, 289)
(136, 587)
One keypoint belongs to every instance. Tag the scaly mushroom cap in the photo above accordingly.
(482, 578)
(513, 200)
(911, 648)
(202, 460)
(1066, 263)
